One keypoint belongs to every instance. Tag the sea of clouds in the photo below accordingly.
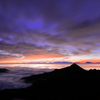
(12, 78)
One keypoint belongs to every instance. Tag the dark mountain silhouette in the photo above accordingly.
(70, 83)
(3, 70)
(74, 68)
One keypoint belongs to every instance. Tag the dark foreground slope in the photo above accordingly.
(3, 70)
(70, 83)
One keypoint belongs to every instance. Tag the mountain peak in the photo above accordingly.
(76, 67)
(73, 68)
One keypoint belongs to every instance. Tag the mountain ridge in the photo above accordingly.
(60, 84)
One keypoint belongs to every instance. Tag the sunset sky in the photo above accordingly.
(49, 30)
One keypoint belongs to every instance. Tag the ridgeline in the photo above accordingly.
(70, 83)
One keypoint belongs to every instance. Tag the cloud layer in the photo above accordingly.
(12, 78)
(60, 27)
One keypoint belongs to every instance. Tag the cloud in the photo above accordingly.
(5, 53)
(32, 27)
(12, 78)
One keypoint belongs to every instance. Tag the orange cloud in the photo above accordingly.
(30, 58)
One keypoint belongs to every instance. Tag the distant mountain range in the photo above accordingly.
(53, 63)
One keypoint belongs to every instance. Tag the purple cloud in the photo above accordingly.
(28, 26)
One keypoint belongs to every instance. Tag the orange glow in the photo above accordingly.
(33, 58)
(45, 58)
(90, 60)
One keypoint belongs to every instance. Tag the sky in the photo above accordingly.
(49, 30)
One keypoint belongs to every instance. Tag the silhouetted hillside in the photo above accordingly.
(2, 70)
(70, 83)
(57, 73)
